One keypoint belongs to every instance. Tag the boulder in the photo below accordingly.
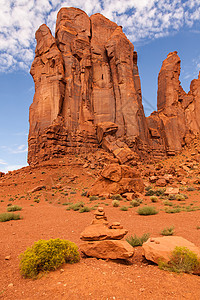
(160, 248)
(108, 249)
(117, 179)
(99, 232)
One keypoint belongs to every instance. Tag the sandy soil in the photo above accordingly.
(90, 278)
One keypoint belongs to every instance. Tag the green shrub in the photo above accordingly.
(115, 203)
(37, 200)
(150, 192)
(160, 192)
(14, 208)
(198, 227)
(136, 202)
(168, 231)
(93, 198)
(154, 199)
(136, 240)
(84, 194)
(48, 255)
(84, 209)
(147, 210)
(76, 206)
(173, 210)
(191, 189)
(147, 188)
(182, 260)
(4, 217)
(180, 197)
(73, 192)
(124, 208)
(172, 197)
(116, 197)
(167, 203)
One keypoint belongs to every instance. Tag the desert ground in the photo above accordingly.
(45, 216)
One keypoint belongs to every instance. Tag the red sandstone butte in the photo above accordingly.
(88, 94)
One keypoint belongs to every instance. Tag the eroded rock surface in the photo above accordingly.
(87, 75)
(117, 179)
(88, 95)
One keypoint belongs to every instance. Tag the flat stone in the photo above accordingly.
(108, 249)
(161, 248)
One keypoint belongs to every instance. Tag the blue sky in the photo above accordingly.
(155, 27)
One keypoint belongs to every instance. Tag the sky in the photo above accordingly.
(155, 27)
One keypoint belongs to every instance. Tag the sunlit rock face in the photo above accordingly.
(88, 94)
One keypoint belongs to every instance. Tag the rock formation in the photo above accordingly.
(84, 76)
(104, 241)
(161, 248)
(117, 179)
(176, 120)
(88, 94)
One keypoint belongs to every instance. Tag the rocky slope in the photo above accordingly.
(88, 94)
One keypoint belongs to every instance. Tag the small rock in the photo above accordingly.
(10, 285)
(7, 257)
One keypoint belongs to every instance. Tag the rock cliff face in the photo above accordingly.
(176, 120)
(84, 76)
(88, 94)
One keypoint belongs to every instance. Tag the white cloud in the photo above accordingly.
(12, 168)
(142, 20)
(2, 162)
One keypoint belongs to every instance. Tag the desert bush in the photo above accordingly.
(76, 206)
(172, 197)
(93, 198)
(48, 255)
(182, 260)
(115, 203)
(173, 210)
(168, 231)
(84, 194)
(147, 188)
(198, 227)
(160, 192)
(116, 197)
(124, 208)
(154, 199)
(136, 202)
(14, 208)
(150, 192)
(73, 192)
(147, 210)
(84, 209)
(4, 217)
(167, 203)
(180, 197)
(191, 189)
(136, 240)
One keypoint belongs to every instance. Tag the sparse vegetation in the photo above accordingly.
(168, 231)
(136, 202)
(48, 255)
(4, 217)
(173, 210)
(180, 197)
(182, 260)
(147, 210)
(154, 199)
(136, 240)
(123, 208)
(116, 197)
(76, 206)
(14, 208)
(84, 209)
(93, 198)
(115, 203)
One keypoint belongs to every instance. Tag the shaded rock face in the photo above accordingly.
(176, 120)
(84, 76)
